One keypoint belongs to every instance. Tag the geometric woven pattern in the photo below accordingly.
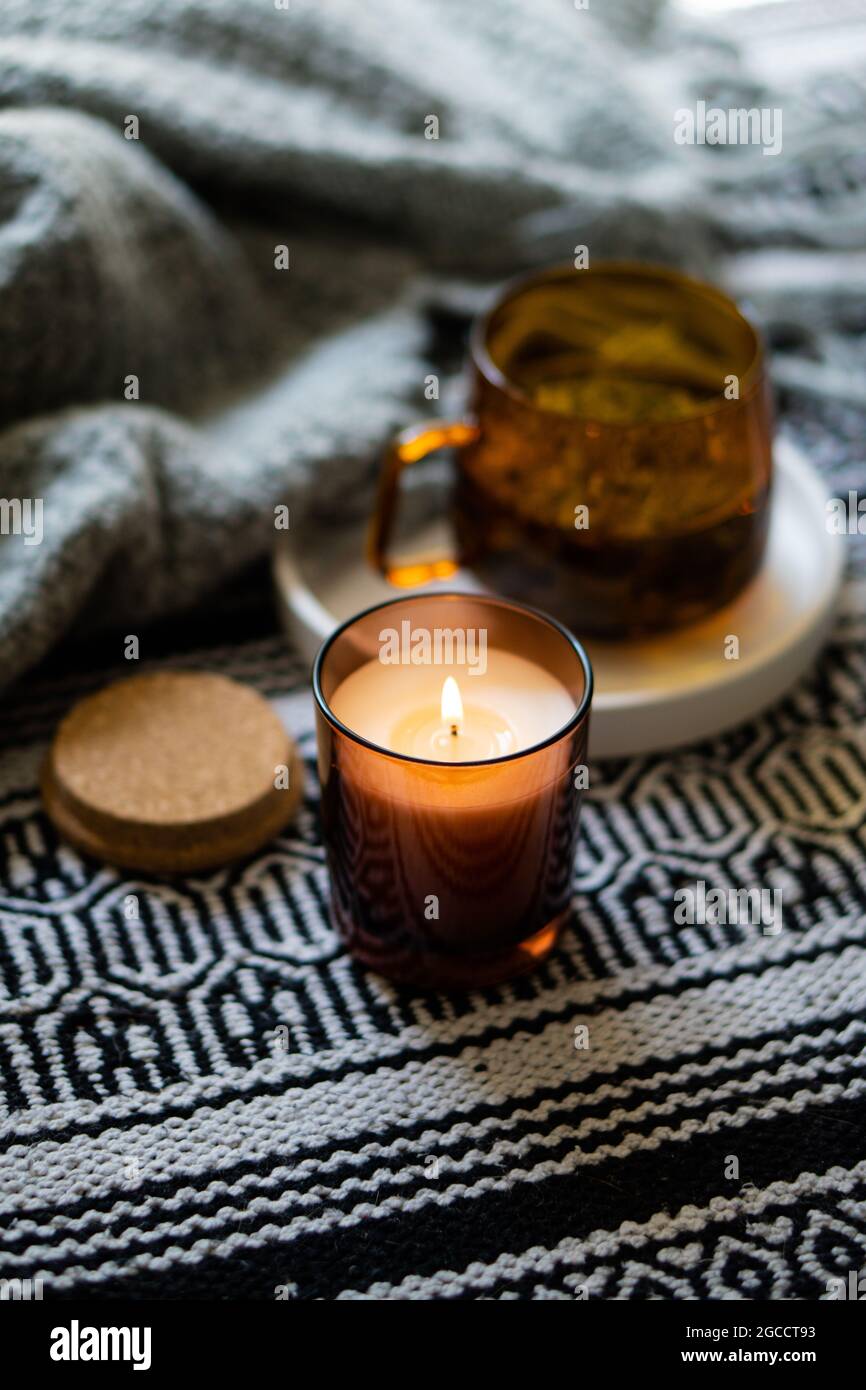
(210, 1098)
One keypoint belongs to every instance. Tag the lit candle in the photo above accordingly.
(407, 709)
(449, 800)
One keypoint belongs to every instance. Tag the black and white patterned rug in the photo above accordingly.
(212, 1100)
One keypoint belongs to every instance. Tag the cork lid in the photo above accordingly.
(171, 772)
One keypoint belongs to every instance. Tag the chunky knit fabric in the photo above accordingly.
(155, 158)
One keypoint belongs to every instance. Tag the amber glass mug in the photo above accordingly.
(615, 464)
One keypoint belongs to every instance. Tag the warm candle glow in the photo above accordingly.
(452, 705)
(407, 709)
(450, 806)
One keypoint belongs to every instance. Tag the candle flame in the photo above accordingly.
(452, 705)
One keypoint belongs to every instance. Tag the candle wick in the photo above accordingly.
(453, 730)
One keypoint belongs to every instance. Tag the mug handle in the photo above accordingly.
(410, 446)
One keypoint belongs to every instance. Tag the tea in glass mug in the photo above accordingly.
(614, 466)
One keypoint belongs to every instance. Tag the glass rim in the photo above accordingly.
(519, 284)
(569, 727)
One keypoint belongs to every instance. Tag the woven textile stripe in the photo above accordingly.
(209, 1099)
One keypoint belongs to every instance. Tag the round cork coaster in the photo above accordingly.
(171, 773)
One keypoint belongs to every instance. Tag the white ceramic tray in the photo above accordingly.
(652, 694)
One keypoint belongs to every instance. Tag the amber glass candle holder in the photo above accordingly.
(614, 462)
(452, 873)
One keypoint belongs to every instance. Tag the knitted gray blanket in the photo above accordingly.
(222, 226)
